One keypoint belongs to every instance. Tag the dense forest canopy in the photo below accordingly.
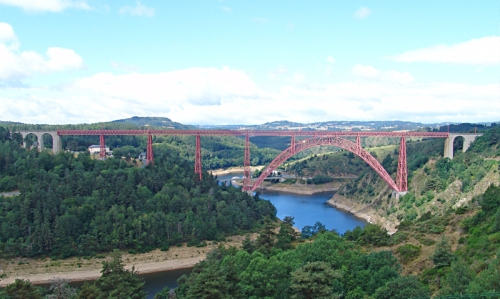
(75, 205)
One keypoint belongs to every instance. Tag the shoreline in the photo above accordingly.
(91, 275)
(74, 269)
(363, 212)
(233, 170)
(296, 188)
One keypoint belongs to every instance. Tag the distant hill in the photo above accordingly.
(158, 122)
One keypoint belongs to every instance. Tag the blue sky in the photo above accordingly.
(249, 62)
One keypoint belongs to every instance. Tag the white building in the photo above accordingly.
(96, 149)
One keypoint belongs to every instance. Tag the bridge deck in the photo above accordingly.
(253, 133)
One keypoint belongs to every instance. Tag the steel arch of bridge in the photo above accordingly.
(302, 145)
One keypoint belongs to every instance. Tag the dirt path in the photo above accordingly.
(78, 269)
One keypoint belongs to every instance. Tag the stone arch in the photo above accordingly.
(47, 141)
(31, 139)
(468, 138)
(56, 139)
(332, 141)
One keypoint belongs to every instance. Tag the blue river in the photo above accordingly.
(306, 210)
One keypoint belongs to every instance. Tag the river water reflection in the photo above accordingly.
(307, 209)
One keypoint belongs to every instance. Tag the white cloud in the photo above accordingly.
(478, 51)
(7, 33)
(278, 71)
(330, 59)
(46, 5)
(227, 96)
(365, 71)
(369, 72)
(124, 67)
(226, 8)
(140, 10)
(396, 77)
(362, 12)
(16, 65)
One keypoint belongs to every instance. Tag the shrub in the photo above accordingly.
(408, 252)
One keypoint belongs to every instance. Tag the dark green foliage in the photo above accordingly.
(21, 289)
(488, 280)
(458, 279)
(403, 287)
(442, 254)
(163, 294)
(488, 144)
(374, 235)
(309, 231)
(79, 206)
(321, 179)
(313, 280)
(88, 291)
(490, 200)
(60, 289)
(327, 267)
(116, 282)
(408, 252)
(287, 234)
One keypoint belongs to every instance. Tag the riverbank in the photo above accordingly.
(41, 271)
(234, 170)
(302, 189)
(363, 211)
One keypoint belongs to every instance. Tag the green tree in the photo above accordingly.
(287, 233)
(248, 245)
(402, 287)
(313, 280)
(163, 294)
(487, 280)
(22, 289)
(458, 279)
(491, 199)
(117, 282)
(88, 291)
(61, 289)
(442, 254)
(266, 239)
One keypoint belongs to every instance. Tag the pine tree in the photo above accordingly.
(116, 282)
(442, 254)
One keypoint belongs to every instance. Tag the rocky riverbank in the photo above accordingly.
(299, 188)
(364, 211)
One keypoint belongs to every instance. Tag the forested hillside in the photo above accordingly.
(74, 205)
(449, 243)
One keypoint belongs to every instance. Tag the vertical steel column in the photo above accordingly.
(292, 145)
(102, 154)
(149, 150)
(197, 159)
(358, 144)
(247, 184)
(402, 174)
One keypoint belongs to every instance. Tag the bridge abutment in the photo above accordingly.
(448, 142)
(398, 194)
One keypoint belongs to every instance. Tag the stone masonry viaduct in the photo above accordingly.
(448, 143)
(56, 139)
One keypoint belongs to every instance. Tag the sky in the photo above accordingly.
(206, 62)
